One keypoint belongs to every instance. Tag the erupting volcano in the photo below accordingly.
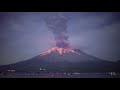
(58, 25)
(61, 60)
(60, 51)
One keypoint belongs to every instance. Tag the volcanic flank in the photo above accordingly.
(66, 62)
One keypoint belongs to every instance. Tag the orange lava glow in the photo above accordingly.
(59, 50)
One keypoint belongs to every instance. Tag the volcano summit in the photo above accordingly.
(60, 51)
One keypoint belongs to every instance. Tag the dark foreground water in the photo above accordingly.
(61, 75)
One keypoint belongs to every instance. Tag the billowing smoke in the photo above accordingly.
(58, 25)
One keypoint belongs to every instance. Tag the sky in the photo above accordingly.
(24, 35)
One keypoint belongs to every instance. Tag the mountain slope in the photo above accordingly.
(69, 62)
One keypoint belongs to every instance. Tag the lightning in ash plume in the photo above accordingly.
(58, 25)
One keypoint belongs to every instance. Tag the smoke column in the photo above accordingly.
(58, 25)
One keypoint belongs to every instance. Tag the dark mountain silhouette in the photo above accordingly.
(70, 62)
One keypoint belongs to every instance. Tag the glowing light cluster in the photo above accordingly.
(59, 50)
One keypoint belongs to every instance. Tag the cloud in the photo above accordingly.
(103, 43)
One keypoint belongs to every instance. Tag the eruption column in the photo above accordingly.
(58, 25)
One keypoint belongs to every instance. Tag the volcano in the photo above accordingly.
(63, 60)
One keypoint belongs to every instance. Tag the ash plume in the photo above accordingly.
(58, 25)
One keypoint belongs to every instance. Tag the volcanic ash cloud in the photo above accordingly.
(58, 25)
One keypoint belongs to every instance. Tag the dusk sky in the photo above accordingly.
(24, 35)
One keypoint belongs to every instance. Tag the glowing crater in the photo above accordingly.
(60, 51)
